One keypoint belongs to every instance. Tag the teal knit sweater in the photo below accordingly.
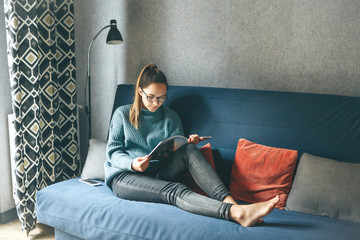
(127, 143)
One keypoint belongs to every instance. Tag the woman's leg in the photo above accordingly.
(139, 187)
(190, 158)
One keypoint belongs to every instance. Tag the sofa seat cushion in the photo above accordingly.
(326, 187)
(90, 212)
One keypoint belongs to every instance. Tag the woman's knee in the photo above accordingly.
(191, 147)
(188, 150)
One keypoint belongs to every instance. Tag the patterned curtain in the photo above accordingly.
(41, 57)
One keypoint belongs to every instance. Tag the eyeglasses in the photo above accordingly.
(153, 99)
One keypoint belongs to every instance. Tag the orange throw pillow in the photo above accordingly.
(188, 179)
(259, 172)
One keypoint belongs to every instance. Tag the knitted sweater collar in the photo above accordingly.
(146, 112)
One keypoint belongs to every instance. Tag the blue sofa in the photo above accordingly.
(323, 125)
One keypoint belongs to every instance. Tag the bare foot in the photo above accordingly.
(249, 215)
(230, 199)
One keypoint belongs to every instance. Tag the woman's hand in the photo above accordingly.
(140, 164)
(194, 139)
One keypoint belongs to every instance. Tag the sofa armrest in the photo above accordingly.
(83, 133)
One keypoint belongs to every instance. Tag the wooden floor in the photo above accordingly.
(12, 231)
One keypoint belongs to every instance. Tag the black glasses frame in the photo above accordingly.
(161, 99)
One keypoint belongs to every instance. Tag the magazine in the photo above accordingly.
(167, 146)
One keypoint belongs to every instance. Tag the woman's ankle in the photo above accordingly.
(230, 199)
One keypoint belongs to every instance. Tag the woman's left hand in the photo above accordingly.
(194, 139)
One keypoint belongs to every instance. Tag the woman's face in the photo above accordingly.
(153, 96)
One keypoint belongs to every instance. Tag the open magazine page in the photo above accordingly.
(168, 145)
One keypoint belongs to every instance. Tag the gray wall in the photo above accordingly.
(301, 46)
(107, 61)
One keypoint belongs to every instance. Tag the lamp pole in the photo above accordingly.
(114, 37)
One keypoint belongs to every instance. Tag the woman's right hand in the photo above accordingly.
(140, 164)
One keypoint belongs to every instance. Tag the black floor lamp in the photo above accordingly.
(113, 38)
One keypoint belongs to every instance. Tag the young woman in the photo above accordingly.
(136, 129)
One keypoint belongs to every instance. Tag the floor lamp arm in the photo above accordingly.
(88, 83)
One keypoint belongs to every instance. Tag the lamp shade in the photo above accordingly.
(114, 36)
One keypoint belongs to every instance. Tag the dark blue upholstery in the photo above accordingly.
(323, 125)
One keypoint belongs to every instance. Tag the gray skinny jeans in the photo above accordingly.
(157, 184)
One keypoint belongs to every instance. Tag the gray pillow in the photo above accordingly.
(96, 157)
(326, 187)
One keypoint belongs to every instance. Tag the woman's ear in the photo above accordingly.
(140, 91)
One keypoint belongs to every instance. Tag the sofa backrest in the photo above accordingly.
(322, 125)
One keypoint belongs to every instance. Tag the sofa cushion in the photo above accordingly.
(94, 164)
(260, 172)
(326, 187)
(188, 180)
